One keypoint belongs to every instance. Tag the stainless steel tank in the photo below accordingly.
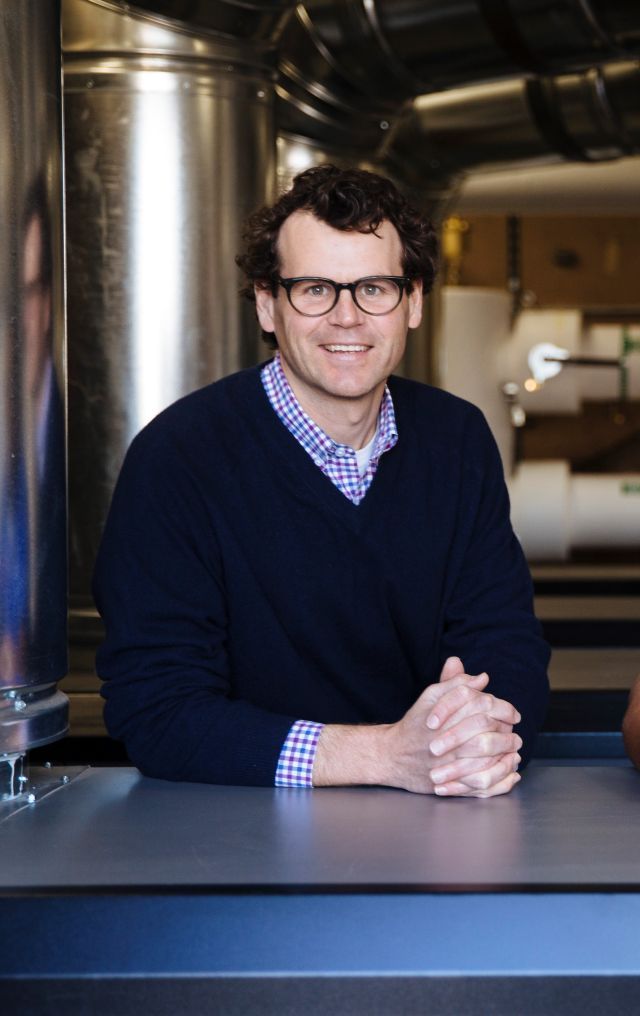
(170, 142)
(33, 587)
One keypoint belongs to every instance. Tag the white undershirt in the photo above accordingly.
(363, 455)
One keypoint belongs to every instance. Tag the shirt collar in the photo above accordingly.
(312, 437)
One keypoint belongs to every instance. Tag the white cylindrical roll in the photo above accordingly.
(474, 331)
(553, 511)
(605, 510)
(606, 342)
(540, 508)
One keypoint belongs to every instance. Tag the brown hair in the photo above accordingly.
(347, 199)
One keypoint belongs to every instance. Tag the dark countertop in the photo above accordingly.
(125, 894)
(564, 828)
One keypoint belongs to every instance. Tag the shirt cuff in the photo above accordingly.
(295, 763)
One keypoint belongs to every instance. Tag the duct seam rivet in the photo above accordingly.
(90, 83)
(31, 798)
(384, 125)
(64, 779)
(19, 705)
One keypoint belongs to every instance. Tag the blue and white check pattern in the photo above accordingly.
(339, 463)
(295, 763)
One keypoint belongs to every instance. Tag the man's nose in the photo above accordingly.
(345, 313)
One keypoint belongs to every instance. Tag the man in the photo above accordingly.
(308, 576)
(631, 724)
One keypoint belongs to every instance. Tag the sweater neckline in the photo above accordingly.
(296, 465)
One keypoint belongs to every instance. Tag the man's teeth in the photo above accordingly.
(347, 349)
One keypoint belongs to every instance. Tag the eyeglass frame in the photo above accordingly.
(403, 282)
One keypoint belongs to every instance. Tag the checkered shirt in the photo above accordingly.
(337, 461)
(339, 464)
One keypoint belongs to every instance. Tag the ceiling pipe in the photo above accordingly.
(587, 117)
(255, 21)
(347, 67)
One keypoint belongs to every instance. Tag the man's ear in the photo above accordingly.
(265, 302)
(415, 303)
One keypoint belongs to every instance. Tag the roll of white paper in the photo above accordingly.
(540, 508)
(553, 511)
(605, 510)
(474, 331)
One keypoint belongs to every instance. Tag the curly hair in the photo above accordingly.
(346, 199)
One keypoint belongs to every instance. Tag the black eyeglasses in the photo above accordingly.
(376, 294)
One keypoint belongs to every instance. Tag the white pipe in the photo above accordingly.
(554, 511)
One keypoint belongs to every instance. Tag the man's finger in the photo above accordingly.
(470, 770)
(453, 667)
(462, 790)
(484, 702)
(448, 698)
(474, 736)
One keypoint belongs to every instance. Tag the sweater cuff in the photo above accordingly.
(295, 763)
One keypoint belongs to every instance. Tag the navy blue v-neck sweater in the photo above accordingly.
(241, 590)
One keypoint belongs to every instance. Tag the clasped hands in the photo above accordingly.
(456, 740)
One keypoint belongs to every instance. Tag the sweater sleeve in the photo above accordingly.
(159, 585)
(489, 620)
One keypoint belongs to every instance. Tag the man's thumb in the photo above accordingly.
(453, 666)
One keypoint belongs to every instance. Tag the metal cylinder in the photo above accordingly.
(170, 143)
(33, 590)
(583, 117)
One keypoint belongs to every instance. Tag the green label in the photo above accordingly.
(631, 488)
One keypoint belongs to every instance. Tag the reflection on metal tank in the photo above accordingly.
(169, 144)
(33, 592)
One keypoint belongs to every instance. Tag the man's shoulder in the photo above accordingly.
(215, 405)
(431, 407)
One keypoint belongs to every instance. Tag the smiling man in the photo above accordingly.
(308, 576)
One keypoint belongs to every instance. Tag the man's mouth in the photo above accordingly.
(345, 348)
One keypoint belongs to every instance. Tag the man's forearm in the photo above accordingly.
(351, 756)
(631, 725)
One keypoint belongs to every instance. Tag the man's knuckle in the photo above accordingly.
(483, 743)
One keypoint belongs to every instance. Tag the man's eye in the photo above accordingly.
(371, 289)
(317, 289)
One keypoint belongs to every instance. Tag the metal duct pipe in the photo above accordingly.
(33, 591)
(253, 21)
(346, 66)
(170, 142)
(585, 117)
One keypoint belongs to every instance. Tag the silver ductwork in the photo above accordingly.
(33, 588)
(170, 143)
(585, 117)
(347, 67)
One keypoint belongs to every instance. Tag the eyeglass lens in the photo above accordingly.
(317, 296)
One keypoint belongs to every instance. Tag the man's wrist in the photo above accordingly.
(350, 755)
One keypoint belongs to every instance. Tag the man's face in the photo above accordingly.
(344, 354)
